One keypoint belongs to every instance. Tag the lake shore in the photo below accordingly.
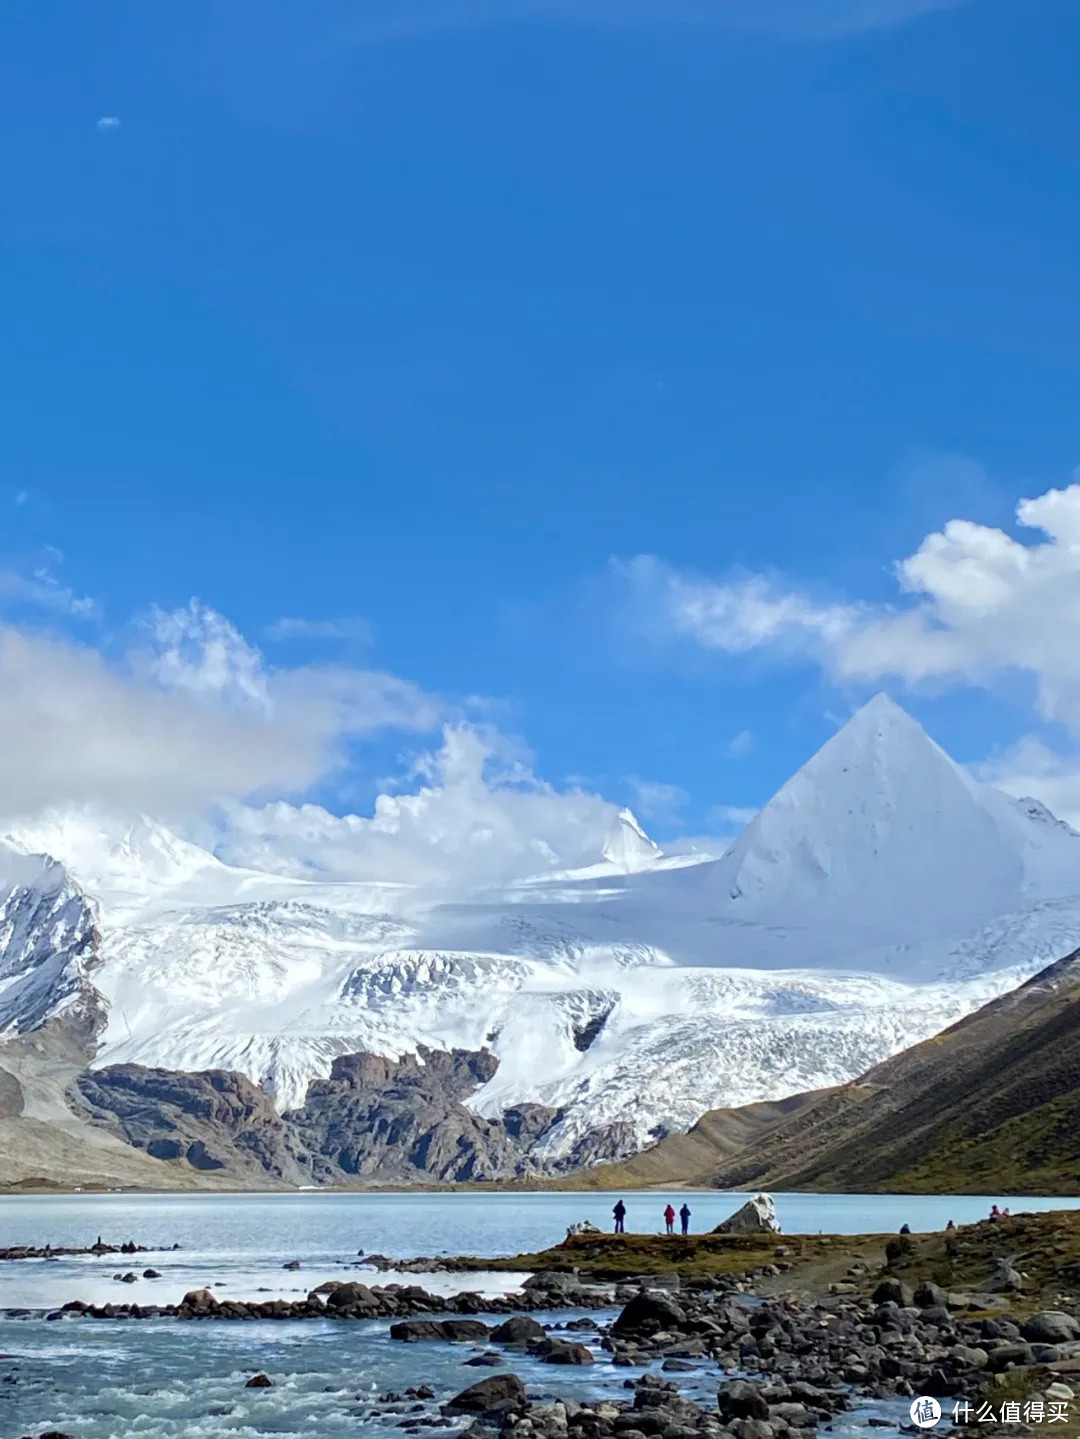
(798, 1330)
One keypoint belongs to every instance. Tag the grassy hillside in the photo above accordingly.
(990, 1105)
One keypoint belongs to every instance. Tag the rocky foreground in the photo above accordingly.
(794, 1331)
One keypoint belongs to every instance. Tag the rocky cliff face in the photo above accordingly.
(211, 1121)
(406, 1119)
(374, 1118)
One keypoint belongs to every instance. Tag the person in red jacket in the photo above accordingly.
(669, 1219)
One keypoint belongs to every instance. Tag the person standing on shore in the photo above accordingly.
(620, 1216)
(684, 1215)
(669, 1219)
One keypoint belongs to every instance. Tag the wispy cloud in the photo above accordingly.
(348, 627)
(373, 22)
(656, 800)
(730, 816)
(33, 583)
(741, 745)
(107, 123)
(973, 605)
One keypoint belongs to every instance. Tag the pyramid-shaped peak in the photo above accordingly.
(882, 717)
(881, 830)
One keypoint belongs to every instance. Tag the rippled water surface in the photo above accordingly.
(108, 1380)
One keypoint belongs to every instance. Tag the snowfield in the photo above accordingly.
(879, 897)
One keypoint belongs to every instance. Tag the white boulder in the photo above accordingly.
(757, 1216)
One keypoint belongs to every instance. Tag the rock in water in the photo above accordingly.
(561, 1351)
(757, 1216)
(650, 1313)
(521, 1329)
(259, 1381)
(490, 1396)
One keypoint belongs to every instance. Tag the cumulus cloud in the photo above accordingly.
(190, 725)
(477, 816)
(348, 627)
(974, 604)
(190, 716)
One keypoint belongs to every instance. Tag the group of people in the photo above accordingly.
(669, 1218)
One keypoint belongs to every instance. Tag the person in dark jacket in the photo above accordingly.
(620, 1217)
(684, 1215)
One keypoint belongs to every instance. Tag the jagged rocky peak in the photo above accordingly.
(407, 1118)
(48, 940)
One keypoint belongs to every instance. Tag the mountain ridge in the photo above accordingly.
(883, 895)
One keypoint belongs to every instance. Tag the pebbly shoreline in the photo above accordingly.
(785, 1363)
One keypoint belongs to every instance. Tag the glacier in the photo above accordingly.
(880, 896)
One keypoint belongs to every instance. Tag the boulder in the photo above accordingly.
(894, 1291)
(410, 1331)
(495, 1395)
(259, 1381)
(583, 1226)
(757, 1216)
(931, 1296)
(562, 1351)
(966, 1357)
(350, 1296)
(198, 1299)
(740, 1400)
(652, 1311)
(1005, 1279)
(1006, 1355)
(520, 1329)
(552, 1279)
(1051, 1326)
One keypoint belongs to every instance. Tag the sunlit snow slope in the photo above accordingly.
(879, 896)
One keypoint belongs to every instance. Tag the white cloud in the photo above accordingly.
(655, 800)
(348, 627)
(190, 717)
(108, 122)
(38, 586)
(1031, 768)
(741, 744)
(730, 816)
(21, 497)
(192, 723)
(196, 649)
(479, 817)
(975, 604)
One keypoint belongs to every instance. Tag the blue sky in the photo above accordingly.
(420, 330)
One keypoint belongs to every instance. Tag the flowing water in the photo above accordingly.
(111, 1379)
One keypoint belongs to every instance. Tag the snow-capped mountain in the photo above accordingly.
(878, 897)
(47, 940)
